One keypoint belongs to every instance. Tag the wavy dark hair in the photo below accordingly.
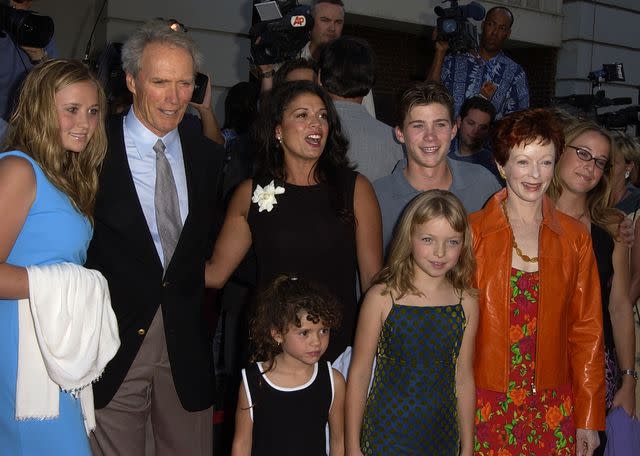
(347, 67)
(240, 106)
(291, 65)
(333, 161)
(279, 306)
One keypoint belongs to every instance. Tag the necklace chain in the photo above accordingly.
(519, 252)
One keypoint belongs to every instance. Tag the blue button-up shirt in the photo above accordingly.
(14, 66)
(139, 142)
(464, 74)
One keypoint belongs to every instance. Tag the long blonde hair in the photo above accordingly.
(397, 275)
(34, 129)
(600, 212)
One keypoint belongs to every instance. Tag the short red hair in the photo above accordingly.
(526, 127)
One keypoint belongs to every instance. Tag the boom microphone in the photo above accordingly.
(474, 10)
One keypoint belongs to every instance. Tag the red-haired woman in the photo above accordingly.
(539, 356)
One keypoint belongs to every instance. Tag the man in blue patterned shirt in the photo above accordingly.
(490, 73)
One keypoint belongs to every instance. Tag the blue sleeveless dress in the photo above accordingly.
(53, 232)
(412, 406)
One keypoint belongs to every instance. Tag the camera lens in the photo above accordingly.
(449, 26)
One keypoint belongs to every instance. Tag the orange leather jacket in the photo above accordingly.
(569, 345)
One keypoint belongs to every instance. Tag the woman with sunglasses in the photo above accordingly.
(582, 188)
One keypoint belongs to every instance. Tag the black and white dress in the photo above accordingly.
(289, 421)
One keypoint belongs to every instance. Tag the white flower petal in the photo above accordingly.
(265, 196)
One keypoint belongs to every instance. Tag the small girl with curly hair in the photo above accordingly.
(287, 387)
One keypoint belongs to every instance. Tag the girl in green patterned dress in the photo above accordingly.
(419, 322)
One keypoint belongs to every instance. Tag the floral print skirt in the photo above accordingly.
(523, 421)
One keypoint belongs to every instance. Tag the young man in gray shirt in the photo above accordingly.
(426, 127)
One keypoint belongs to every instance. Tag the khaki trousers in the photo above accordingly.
(145, 416)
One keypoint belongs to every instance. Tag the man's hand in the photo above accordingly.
(206, 101)
(210, 125)
(626, 232)
(36, 55)
(626, 396)
(441, 46)
(587, 441)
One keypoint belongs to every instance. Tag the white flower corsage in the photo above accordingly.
(266, 197)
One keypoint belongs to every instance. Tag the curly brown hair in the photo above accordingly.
(279, 306)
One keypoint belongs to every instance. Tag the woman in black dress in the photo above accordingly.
(581, 189)
(306, 211)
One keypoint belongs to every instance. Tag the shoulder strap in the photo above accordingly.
(247, 390)
(332, 382)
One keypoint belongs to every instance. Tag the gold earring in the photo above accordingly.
(502, 174)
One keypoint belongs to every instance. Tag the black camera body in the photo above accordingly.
(281, 35)
(26, 28)
(620, 119)
(454, 26)
(610, 72)
(588, 104)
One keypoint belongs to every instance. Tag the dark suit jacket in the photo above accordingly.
(122, 249)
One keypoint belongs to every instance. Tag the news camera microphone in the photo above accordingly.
(621, 101)
(474, 10)
(578, 100)
(632, 110)
(87, 50)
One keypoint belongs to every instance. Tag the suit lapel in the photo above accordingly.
(119, 182)
(191, 171)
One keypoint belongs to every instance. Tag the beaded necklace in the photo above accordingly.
(525, 258)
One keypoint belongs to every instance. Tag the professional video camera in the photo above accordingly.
(26, 28)
(454, 26)
(620, 119)
(284, 29)
(589, 104)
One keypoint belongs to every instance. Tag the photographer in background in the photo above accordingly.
(17, 61)
(347, 71)
(328, 22)
(490, 74)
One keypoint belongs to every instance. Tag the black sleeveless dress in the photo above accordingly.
(305, 235)
(603, 246)
(289, 421)
(603, 249)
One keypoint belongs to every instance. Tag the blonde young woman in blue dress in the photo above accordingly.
(48, 181)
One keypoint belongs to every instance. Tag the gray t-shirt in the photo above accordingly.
(372, 147)
(473, 184)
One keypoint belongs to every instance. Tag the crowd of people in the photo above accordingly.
(460, 283)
